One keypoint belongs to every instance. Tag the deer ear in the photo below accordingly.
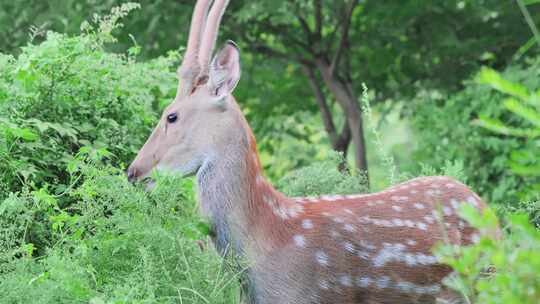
(225, 70)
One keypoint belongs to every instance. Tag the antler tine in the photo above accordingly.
(190, 67)
(210, 35)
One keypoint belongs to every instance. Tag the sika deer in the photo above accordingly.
(366, 248)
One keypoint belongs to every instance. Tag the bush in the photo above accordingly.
(525, 105)
(72, 230)
(67, 93)
(118, 244)
(446, 131)
(513, 262)
(322, 177)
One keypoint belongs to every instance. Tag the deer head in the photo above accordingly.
(201, 121)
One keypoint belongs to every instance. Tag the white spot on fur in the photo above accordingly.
(397, 198)
(367, 245)
(433, 192)
(307, 224)
(363, 282)
(410, 259)
(421, 226)
(349, 247)
(454, 203)
(419, 206)
(345, 280)
(332, 198)
(409, 223)
(411, 242)
(472, 200)
(413, 192)
(383, 282)
(349, 211)
(386, 223)
(364, 220)
(295, 209)
(337, 219)
(447, 211)
(450, 185)
(388, 253)
(397, 208)
(397, 222)
(429, 219)
(405, 286)
(323, 284)
(299, 240)
(313, 199)
(349, 227)
(363, 254)
(321, 257)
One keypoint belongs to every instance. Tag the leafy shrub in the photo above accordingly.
(322, 177)
(515, 259)
(74, 231)
(66, 93)
(525, 105)
(118, 244)
(446, 132)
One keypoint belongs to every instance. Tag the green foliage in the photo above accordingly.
(118, 244)
(72, 229)
(67, 93)
(525, 105)
(496, 270)
(322, 177)
(446, 131)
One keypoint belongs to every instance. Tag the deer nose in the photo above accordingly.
(132, 174)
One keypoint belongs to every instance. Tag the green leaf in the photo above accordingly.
(494, 79)
(497, 126)
(530, 2)
(24, 133)
(518, 108)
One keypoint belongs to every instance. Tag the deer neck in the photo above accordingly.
(246, 212)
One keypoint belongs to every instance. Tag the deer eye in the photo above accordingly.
(171, 118)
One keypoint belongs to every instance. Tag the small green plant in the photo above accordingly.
(525, 105)
(386, 159)
(496, 270)
(323, 177)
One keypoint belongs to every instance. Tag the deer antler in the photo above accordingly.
(202, 37)
(210, 35)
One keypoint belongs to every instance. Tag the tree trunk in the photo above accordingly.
(340, 142)
(351, 108)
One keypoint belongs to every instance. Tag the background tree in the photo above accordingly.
(313, 55)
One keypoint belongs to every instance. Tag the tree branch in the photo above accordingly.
(344, 35)
(264, 49)
(305, 27)
(321, 101)
(318, 18)
(344, 137)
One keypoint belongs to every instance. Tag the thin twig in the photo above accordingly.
(529, 20)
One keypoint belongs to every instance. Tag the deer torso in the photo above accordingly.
(367, 248)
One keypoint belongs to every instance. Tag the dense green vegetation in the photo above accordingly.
(76, 105)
